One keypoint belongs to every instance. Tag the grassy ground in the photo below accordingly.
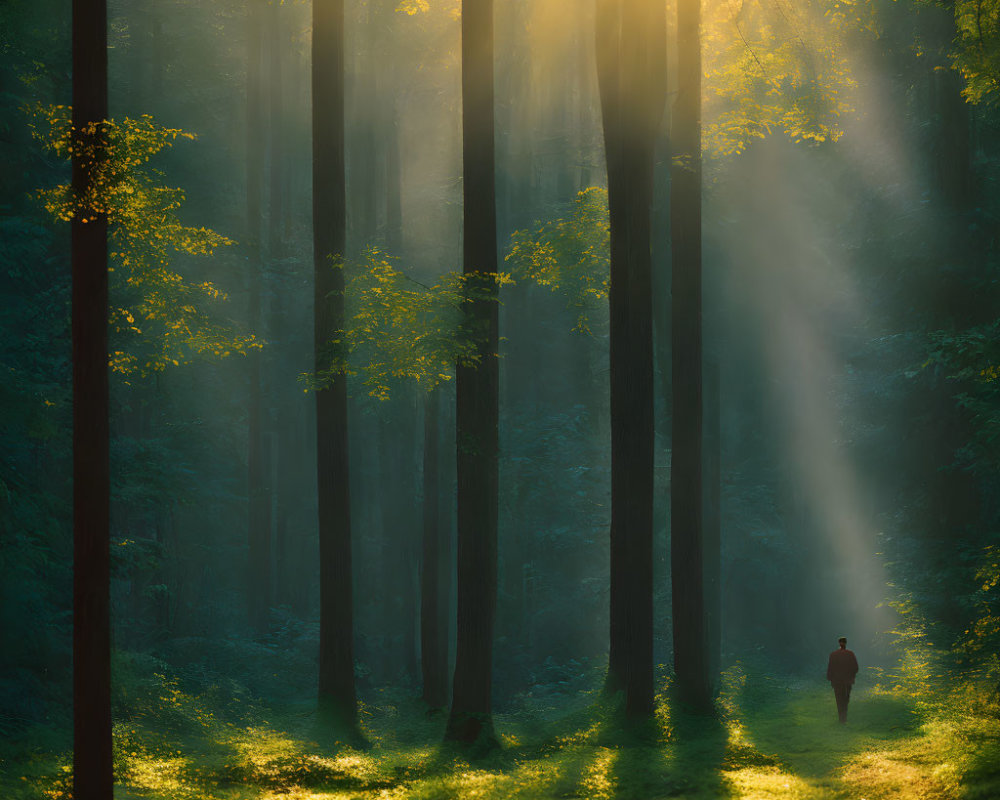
(772, 739)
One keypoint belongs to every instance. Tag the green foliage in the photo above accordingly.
(775, 67)
(770, 738)
(970, 360)
(400, 330)
(977, 49)
(414, 7)
(570, 255)
(981, 640)
(158, 318)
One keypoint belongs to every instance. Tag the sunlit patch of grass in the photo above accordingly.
(771, 740)
(928, 765)
(165, 777)
(877, 776)
(597, 782)
(581, 736)
(767, 783)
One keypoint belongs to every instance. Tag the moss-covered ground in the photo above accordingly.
(772, 738)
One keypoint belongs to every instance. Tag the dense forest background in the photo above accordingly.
(851, 217)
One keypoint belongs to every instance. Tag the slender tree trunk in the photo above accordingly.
(433, 624)
(477, 387)
(951, 153)
(608, 28)
(713, 522)
(93, 777)
(259, 507)
(365, 91)
(337, 699)
(393, 188)
(390, 130)
(661, 274)
(276, 94)
(631, 52)
(686, 461)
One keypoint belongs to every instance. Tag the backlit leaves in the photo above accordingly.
(413, 7)
(570, 255)
(399, 330)
(772, 66)
(158, 318)
(977, 48)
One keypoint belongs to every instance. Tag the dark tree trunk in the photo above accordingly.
(950, 123)
(365, 91)
(953, 156)
(93, 777)
(713, 522)
(686, 500)
(393, 187)
(276, 204)
(433, 603)
(631, 53)
(337, 699)
(259, 506)
(661, 275)
(477, 393)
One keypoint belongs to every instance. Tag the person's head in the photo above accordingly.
(843, 642)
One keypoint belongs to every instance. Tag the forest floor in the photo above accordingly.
(773, 738)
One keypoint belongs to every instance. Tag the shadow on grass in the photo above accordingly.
(688, 763)
(797, 726)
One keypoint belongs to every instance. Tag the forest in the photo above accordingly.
(447, 399)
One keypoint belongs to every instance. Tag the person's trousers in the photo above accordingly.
(842, 691)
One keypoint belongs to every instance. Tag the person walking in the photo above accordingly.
(841, 669)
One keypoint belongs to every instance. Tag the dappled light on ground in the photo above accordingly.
(772, 739)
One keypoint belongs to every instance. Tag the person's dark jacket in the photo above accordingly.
(842, 666)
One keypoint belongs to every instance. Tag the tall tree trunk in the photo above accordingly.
(661, 275)
(477, 387)
(686, 558)
(365, 92)
(631, 52)
(259, 506)
(93, 777)
(337, 698)
(390, 130)
(951, 147)
(433, 623)
(393, 187)
(276, 178)
(713, 522)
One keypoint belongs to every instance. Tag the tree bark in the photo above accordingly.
(393, 187)
(276, 178)
(713, 522)
(365, 93)
(93, 777)
(631, 56)
(686, 556)
(259, 505)
(477, 387)
(337, 698)
(433, 605)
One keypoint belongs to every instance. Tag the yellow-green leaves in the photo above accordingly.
(412, 7)
(772, 68)
(398, 329)
(984, 632)
(977, 48)
(569, 255)
(158, 317)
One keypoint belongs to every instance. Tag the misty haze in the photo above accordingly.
(521, 399)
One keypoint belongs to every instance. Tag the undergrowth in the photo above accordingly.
(770, 738)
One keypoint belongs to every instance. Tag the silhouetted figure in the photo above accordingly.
(840, 671)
